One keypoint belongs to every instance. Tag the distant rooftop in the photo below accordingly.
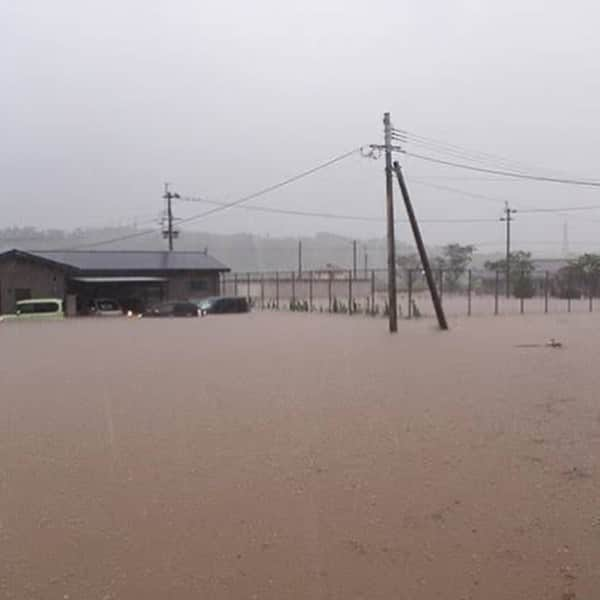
(551, 265)
(132, 260)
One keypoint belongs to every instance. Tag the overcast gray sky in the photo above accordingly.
(103, 101)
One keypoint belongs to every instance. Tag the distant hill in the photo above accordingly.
(241, 252)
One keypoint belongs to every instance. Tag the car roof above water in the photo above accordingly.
(37, 300)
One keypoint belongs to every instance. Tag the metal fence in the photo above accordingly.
(473, 293)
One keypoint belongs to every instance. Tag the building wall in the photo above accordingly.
(192, 284)
(17, 274)
(43, 281)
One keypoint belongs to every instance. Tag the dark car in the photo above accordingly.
(172, 309)
(223, 304)
(135, 306)
(105, 307)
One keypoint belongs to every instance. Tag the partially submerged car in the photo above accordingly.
(223, 304)
(172, 309)
(105, 307)
(50, 309)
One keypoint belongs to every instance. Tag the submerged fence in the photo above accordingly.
(472, 293)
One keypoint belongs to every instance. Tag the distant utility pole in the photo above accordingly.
(508, 219)
(366, 257)
(169, 232)
(565, 243)
(299, 258)
(354, 260)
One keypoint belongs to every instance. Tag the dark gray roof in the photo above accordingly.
(552, 265)
(132, 260)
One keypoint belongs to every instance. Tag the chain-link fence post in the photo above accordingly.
(373, 292)
(469, 291)
(522, 294)
(569, 290)
(496, 293)
(350, 311)
(409, 277)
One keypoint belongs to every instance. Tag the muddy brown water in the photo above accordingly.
(299, 456)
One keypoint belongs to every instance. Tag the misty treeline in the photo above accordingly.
(241, 252)
(245, 252)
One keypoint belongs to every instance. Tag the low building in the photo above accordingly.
(135, 278)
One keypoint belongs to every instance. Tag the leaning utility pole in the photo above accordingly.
(508, 218)
(435, 296)
(170, 233)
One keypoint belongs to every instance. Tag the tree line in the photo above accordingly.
(580, 276)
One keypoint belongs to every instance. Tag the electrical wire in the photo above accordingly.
(528, 176)
(454, 190)
(456, 154)
(242, 200)
(336, 216)
(442, 147)
(489, 159)
(272, 188)
(559, 210)
(113, 240)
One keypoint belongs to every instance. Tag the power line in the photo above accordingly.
(454, 190)
(336, 216)
(531, 177)
(557, 210)
(262, 192)
(454, 151)
(114, 240)
(272, 188)
(442, 147)
(283, 211)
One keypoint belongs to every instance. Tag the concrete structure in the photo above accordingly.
(135, 278)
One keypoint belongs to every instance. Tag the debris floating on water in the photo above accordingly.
(553, 343)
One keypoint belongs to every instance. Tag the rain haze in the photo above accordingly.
(276, 394)
(104, 102)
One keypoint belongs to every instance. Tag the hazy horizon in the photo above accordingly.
(104, 103)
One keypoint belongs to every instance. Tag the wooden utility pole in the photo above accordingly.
(435, 297)
(508, 218)
(354, 259)
(388, 148)
(391, 242)
(169, 232)
(299, 259)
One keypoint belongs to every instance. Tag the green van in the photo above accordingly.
(40, 308)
